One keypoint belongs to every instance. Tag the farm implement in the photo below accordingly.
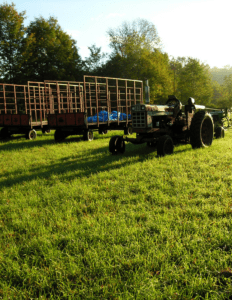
(22, 109)
(163, 126)
(96, 104)
(70, 108)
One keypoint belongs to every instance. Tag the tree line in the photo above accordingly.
(43, 51)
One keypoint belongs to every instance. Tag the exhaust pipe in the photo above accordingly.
(147, 92)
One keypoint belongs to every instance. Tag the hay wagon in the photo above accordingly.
(22, 109)
(96, 104)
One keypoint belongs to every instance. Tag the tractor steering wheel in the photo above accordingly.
(173, 102)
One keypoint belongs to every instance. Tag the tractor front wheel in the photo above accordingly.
(117, 145)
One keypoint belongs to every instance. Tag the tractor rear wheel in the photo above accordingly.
(165, 145)
(201, 130)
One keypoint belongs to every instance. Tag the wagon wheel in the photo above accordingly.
(219, 132)
(31, 134)
(128, 130)
(103, 131)
(59, 135)
(88, 135)
(201, 130)
(116, 145)
(4, 133)
(165, 145)
(46, 130)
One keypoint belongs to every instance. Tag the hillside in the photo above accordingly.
(219, 74)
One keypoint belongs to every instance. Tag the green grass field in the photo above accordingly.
(79, 223)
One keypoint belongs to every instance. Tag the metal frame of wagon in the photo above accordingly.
(94, 94)
(22, 109)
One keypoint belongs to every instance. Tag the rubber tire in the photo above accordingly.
(112, 144)
(120, 145)
(103, 131)
(59, 135)
(165, 145)
(4, 133)
(219, 132)
(46, 130)
(201, 130)
(31, 134)
(88, 136)
(128, 130)
(117, 145)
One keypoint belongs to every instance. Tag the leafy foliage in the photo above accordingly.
(142, 33)
(226, 92)
(218, 74)
(50, 53)
(93, 63)
(136, 56)
(11, 42)
(192, 79)
(44, 51)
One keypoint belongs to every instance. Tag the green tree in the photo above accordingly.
(50, 53)
(92, 64)
(194, 80)
(141, 32)
(217, 94)
(136, 55)
(11, 42)
(226, 89)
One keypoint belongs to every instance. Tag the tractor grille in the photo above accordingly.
(138, 119)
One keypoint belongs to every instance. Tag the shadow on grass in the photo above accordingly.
(6, 145)
(83, 165)
(89, 162)
(23, 143)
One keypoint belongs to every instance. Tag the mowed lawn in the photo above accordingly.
(79, 223)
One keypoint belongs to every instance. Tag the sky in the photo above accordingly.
(187, 28)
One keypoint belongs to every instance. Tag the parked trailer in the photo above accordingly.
(96, 104)
(22, 109)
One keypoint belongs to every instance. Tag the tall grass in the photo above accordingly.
(79, 223)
